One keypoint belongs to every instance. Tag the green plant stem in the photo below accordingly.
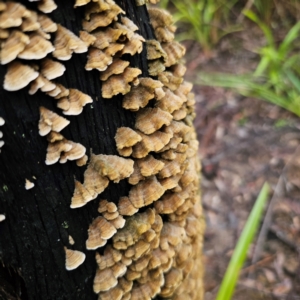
(231, 276)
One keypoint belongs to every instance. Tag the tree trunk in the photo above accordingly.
(39, 221)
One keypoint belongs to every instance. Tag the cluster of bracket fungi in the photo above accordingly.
(145, 256)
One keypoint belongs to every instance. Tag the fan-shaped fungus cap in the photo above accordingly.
(135, 226)
(41, 83)
(55, 149)
(28, 184)
(15, 44)
(146, 192)
(74, 259)
(175, 52)
(71, 240)
(47, 6)
(18, 76)
(98, 59)
(81, 2)
(134, 45)
(66, 42)
(12, 15)
(125, 207)
(117, 67)
(99, 231)
(103, 38)
(104, 280)
(76, 152)
(155, 67)
(97, 6)
(2, 218)
(81, 195)
(52, 69)
(87, 38)
(140, 95)
(37, 48)
(47, 25)
(102, 19)
(126, 137)
(153, 142)
(73, 105)
(119, 83)
(49, 120)
(82, 161)
(154, 50)
(149, 119)
(169, 80)
(114, 167)
(93, 181)
(30, 23)
(149, 165)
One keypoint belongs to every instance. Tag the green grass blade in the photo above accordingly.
(231, 276)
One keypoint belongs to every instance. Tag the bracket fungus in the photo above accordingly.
(50, 121)
(28, 184)
(18, 76)
(2, 218)
(74, 259)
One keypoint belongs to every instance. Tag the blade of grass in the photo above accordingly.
(231, 276)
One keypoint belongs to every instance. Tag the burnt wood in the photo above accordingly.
(39, 221)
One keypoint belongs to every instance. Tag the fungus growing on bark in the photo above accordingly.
(76, 152)
(71, 240)
(47, 25)
(73, 104)
(140, 95)
(81, 2)
(153, 142)
(155, 50)
(66, 42)
(37, 48)
(149, 120)
(18, 76)
(46, 6)
(28, 184)
(174, 51)
(114, 167)
(125, 207)
(116, 67)
(12, 14)
(52, 69)
(162, 23)
(55, 150)
(99, 232)
(49, 120)
(102, 18)
(30, 23)
(146, 192)
(126, 138)
(41, 83)
(12, 46)
(2, 218)
(74, 259)
(116, 84)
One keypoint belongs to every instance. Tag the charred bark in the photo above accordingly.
(39, 221)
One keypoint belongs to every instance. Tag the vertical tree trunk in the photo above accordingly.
(39, 221)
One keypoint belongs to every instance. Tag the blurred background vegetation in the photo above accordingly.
(276, 75)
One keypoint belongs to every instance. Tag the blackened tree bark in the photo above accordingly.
(39, 221)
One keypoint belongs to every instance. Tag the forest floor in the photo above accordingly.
(243, 143)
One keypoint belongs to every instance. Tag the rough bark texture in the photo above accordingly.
(39, 221)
